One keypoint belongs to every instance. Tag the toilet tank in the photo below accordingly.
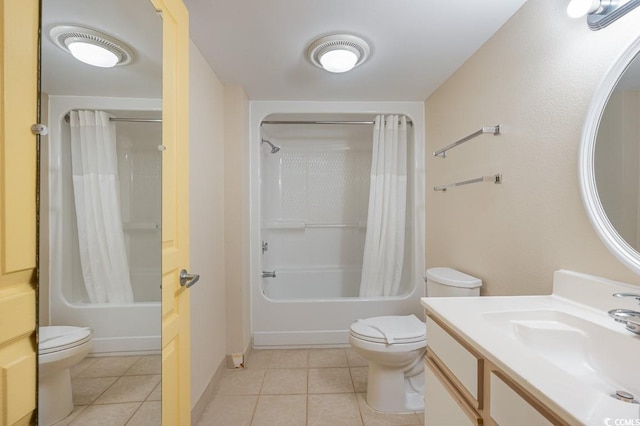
(447, 282)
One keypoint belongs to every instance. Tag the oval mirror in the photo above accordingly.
(609, 164)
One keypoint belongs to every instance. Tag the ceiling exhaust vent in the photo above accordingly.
(338, 53)
(90, 46)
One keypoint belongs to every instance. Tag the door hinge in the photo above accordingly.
(39, 129)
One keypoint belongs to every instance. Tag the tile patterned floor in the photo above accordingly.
(309, 387)
(116, 391)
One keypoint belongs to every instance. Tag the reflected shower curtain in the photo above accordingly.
(103, 255)
(384, 244)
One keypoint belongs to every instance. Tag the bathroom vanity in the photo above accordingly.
(533, 360)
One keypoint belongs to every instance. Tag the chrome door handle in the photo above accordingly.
(187, 279)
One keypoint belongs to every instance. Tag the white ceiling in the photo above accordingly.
(135, 22)
(415, 44)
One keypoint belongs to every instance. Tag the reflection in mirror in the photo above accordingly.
(617, 156)
(100, 216)
(609, 159)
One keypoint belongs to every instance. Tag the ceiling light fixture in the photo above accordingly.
(338, 53)
(600, 13)
(90, 46)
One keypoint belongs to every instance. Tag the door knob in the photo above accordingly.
(187, 279)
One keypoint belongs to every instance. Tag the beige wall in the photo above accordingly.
(236, 109)
(206, 186)
(535, 77)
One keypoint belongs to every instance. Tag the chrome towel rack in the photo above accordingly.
(497, 178)
(442, 152)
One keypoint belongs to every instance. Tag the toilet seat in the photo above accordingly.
(390, 330)
(58, 338)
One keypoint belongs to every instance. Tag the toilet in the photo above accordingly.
(59, 349)
(395, 346)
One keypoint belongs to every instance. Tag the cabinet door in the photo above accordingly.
(509, 408)
(18, 157)
(444, 406)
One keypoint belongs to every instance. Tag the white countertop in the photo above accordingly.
(570, 396)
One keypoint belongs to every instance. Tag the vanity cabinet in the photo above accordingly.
(463, 387)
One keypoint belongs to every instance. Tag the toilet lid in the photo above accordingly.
(390, 329)
(58, 338)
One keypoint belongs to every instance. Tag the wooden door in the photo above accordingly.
(176, 401)
(18, 159)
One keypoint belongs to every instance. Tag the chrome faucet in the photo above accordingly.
(268, 274)
(627, 316)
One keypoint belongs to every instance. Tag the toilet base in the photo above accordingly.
(55, 398)
(390, 391)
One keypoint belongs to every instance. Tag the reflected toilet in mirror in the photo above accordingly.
(100, 213)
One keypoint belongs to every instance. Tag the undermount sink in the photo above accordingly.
(600, 357)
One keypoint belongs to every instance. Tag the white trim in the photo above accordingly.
(593, 206)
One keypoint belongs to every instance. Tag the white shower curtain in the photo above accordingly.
(103, 255)
(384, 244)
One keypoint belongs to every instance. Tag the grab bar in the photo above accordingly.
(497, 178)
(442, 153)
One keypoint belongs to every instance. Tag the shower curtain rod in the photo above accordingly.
(129, 120)
(409, 122)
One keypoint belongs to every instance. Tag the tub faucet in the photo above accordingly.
(627, 316)
(268, 274)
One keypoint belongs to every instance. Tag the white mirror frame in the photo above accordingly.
(593, 206)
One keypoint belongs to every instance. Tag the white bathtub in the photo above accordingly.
(118, 328)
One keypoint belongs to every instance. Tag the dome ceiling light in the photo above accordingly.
(90, 46)
(338, 53)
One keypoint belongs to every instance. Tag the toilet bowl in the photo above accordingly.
(59, 349)
(395, 346)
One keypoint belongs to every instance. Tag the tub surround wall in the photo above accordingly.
(535, 77)
(206, 186)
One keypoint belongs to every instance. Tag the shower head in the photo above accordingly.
(274, 148)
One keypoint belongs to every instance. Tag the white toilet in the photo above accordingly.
(395, 346)
(59, 349)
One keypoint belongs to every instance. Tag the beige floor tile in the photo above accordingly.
(81, 366)
(370, 417)
(333, 410)
(71, 417)
(359, 375)
(129, 389)
(284, 381)
(327, 358)
(106, 415)
(111, 366)
(149, 414)
(259, 358)
(156, 394)
(241, 382)
(355, 360)
(421, 417)
(87, 389)
(229, 410)
(148, 364)
(289, 358)
(330, 380)
(281, 410)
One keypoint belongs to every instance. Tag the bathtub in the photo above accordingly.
(119, 329)
(313, 300)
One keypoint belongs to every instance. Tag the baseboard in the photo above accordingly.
(207, 395)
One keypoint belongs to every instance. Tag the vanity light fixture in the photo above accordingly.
(338, 53)
(90, 46)
(600, 13)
